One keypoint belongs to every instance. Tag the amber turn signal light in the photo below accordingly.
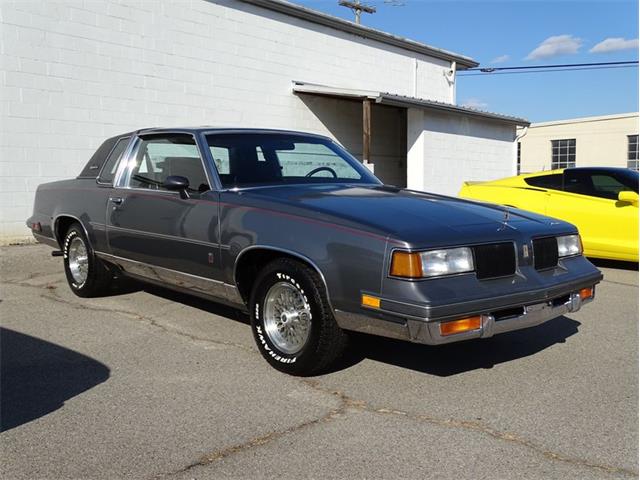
(369, 301)
(407, 265)
(460, 326)
(586, 293)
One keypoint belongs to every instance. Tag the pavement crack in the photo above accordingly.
(23, 283)
(475, 426)
(148, 319)
(217, 455)
(620, 283)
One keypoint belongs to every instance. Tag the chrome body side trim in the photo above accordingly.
(428, 332)
(209, 287)
(160, 235)
(98, 226)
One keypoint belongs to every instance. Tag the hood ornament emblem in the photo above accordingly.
(505, 222)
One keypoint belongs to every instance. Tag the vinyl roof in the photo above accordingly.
(293, 10)
(385, 98)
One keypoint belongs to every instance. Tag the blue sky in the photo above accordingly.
(509, 32)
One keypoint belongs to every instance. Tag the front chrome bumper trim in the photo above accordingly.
(428, 332)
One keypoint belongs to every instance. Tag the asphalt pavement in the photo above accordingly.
(149, 384)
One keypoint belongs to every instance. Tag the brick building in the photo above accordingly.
(75, 72)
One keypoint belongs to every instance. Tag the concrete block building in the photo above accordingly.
(604, 141)
(75, 72)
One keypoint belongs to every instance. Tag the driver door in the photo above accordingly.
(163, 235)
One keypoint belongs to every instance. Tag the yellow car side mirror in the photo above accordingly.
(628, 196)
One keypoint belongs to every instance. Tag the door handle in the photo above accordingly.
(116, 200)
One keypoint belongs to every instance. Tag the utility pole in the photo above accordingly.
(357, 8)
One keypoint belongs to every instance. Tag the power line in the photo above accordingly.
(547, 68)
(542, 69)
(529, 67)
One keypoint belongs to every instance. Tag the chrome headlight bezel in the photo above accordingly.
(434, 263)
(447, 261)
(569, 245)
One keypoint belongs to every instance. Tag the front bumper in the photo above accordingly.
(493, 322)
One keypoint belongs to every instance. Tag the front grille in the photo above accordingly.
(545, 253)
(495, 260)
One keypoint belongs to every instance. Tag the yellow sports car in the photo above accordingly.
(602, 202)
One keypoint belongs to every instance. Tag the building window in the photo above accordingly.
(563, 153)
(632, 155)
(518, 161)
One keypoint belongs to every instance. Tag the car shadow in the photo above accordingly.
(456, 358)
(37, 377)
(617, 264)
(442, 360)
(209, 306)
(125, 285)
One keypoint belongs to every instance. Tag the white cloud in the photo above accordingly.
(500, 59)
(555, 46)
(475, 103)
(614, 45)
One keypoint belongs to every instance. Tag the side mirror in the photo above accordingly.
(177, 183)
(627, 196)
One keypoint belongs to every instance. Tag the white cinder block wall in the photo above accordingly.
(77, 71)
(453, 148)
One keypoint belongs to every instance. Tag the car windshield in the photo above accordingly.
(255, 159)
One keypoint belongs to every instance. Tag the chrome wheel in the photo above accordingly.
(287, 317)
(78, 261)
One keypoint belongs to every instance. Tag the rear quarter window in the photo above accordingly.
(97, 160)
(108, 172)
(553, 181)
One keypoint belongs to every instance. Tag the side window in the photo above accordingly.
(554, 182)
(606, 186)
(109, 168)
(578, 181)
(160, 156)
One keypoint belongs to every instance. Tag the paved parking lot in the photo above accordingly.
(151, 384)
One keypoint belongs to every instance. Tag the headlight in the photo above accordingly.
(431, 263)
(569, 245)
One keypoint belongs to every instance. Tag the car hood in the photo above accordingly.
(411, 216)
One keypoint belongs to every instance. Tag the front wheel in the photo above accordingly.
(87, 275)
(292, 321)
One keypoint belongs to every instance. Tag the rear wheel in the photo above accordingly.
(292, 321)
(87, 275)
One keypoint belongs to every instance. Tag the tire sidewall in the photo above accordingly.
(299, 361)
(72, 233)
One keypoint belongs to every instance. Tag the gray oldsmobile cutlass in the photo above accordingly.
(294, 229)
